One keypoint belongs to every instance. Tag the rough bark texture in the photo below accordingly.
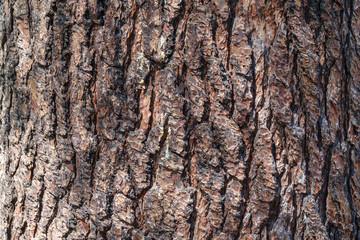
(179, 119)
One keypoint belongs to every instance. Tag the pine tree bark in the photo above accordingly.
(179, 119)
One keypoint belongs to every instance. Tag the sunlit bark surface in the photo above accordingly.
(179, 119)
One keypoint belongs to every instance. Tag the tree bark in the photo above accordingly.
(179, 119)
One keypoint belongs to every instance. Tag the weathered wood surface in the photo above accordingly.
(179, 119)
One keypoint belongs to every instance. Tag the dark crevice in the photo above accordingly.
(214, 26)
(269, 120)
(152, 103)
(247, 180)
(233, 100)
(9, 227)
(93, 96)
(232, 14)
(11, 27)
(153, 170)
(186, 174)
(130, 41)
(274, 209)
(23, 229)
(175, 24)
(223, 197)
(253, 83)
(206, 112)
(193, 217)
(38, 215)
(349, 176)
(4, 39)
(8, 125)
(29, 15)
(103, 232)
(293, 87)
(150, 79)
(94, 156)
(51, 15)
(94, 159)
(265, 79)
(204, 71)
(106, 226)
(319, 135)
(52, 217)
(101, 11)
(306, 155)
(293, 223)
(53, 133)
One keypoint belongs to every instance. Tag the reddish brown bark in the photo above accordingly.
(179, 119)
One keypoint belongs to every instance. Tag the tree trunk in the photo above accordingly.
(179, 119)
